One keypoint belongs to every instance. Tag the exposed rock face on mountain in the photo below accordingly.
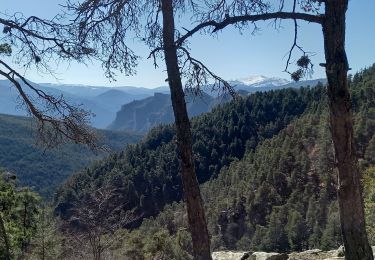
(142, 115)
(229, 255)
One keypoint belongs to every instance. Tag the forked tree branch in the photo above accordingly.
(198, 75)
(217, 26)
(33, 41)
(295, 44)
(59, 120)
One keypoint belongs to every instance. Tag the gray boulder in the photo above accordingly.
(229, 255)
(268, 256)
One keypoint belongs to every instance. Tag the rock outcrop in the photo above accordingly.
(267, 256)
(314, 254)
(228, 255)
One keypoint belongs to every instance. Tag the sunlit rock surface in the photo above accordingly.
(314, 254)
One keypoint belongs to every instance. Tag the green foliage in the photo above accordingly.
(44, 170)
(296, 231)
(19, 210)
(305, 68)
(5, 49)
(282, 194)
(268, 168)
(146, 175)
(369, 199)
(276, 238)
(47, 241)
(289, 182)
(150, 243)
(331, 237)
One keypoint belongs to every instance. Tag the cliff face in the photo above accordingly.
(142, 115)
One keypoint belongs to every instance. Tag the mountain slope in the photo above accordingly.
(282, 195)
(142, 115)
(278, 198)
(44, 169)
(146, 176)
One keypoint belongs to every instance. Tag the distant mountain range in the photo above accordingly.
(105, 102)
(260, 81)
(93, 91)
(142, 115)
(263, 83)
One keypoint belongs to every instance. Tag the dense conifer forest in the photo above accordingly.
(282, 195)
(43, 169)
(145, 175)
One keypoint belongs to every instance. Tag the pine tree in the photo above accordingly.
(297, 231)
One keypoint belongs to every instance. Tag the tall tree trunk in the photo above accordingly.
(3, 234)
(193, 199)
(349, 193)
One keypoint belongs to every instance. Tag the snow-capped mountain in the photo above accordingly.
(259, 81)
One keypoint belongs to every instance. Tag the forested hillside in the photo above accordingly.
(282, 196)
(142, 115)
(276, 170)
(145, 175)
(45, 169)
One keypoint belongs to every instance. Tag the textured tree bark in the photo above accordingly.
(193, 199)
(5, 238)
(341, 120)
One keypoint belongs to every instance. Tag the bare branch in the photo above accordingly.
(217, 26)
(295, 44)
(95, 220)
(40, 41)
(197, 75)
(153, 54)
(59, 120)
(106, 25)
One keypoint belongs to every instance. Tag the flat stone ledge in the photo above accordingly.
(313, 254)
(230, 255)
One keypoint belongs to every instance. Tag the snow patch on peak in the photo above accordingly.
(253, 80)
(262, 81)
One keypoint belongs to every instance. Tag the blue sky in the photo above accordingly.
(229, 54)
